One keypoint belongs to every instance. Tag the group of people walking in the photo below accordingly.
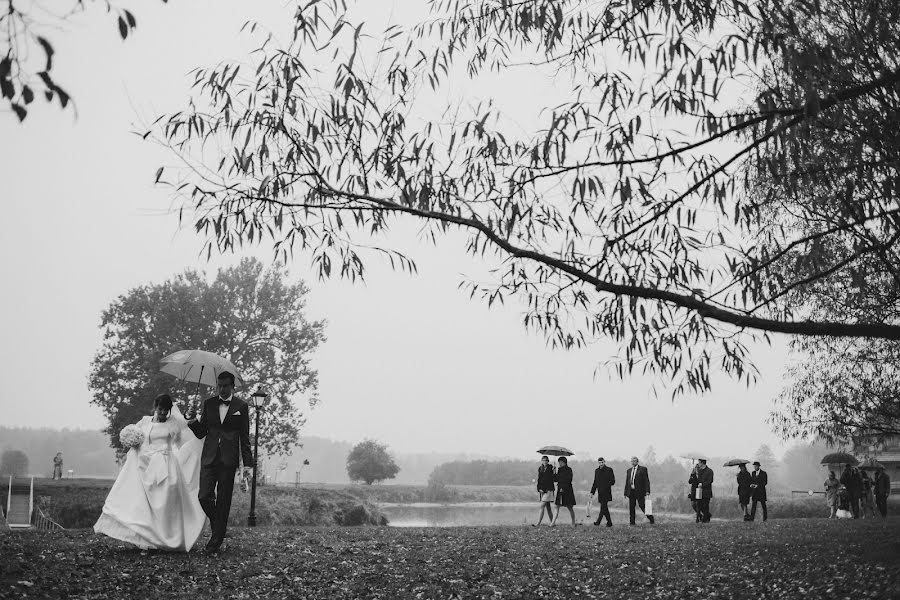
(554, 485)
(855, 493)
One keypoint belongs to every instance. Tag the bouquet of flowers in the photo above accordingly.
(131, 436)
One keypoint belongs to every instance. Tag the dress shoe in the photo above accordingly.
(609, 523)
(652, 520)
(596, 522)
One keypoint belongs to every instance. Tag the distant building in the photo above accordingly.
(886, 452)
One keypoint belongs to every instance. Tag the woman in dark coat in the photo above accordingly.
(692, 495)
(545, 489)
(565, 493)
(743, 482)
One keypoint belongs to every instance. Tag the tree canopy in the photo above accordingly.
(253, 316)
(369, 461)
(14, 463)
(712, 164)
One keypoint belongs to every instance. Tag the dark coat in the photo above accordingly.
(705, 481)
(231, 436)
(692, 481)
(565, 493)
(851, 480)
(641, 481)
(882, 485)
(545, 479)
(604, 479)
(743, 486)
(759, 479)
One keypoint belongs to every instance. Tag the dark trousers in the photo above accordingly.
(854, 505)
(753, 509)
(703, 510)
(216, 486)
(635, 498)
(604, 511)
(881, 502)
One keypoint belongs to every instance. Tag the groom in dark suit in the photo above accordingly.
(225, 424)
(637, 488)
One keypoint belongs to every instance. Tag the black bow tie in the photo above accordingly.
(224, 401)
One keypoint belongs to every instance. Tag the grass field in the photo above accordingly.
(780, 559)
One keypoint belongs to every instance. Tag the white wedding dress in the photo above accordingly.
(153, 503)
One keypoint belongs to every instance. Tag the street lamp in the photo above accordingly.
(258, 400)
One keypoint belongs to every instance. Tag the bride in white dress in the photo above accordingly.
(153, 503)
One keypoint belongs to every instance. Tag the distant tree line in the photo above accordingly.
(86, 451)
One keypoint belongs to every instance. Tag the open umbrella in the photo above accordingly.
(694, 456)
(736, 461)
(555, 451)
(871, 464)
(839, 458)
(198, 366)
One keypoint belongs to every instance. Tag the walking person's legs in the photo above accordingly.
(753, 509)
(632, 499)
(604, 512)
(572, 513)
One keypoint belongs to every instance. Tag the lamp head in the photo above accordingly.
(259, 398)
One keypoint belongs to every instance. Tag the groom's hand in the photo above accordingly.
(248, 471)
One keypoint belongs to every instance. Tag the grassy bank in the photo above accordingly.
(77, 503)
(783, 559)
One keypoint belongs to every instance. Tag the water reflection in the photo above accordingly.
(481, 513)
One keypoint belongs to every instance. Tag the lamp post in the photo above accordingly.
(258, 398)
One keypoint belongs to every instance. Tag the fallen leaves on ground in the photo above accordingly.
(784, 559)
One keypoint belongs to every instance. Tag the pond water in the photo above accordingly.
(487, 513)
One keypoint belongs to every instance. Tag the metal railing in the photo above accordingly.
(41, 521)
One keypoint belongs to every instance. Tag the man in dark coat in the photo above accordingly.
(704, 487)
(852, 480)
(224, 427)
(637, 488)
(882, 489)
(758, 481)
(604, 479)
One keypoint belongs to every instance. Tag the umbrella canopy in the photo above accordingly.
(694, 456)
(555, 451)
(840, 458)
(736, 461)
(198, 366)
(871, 463)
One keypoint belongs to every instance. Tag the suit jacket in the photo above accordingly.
(641, 481)
(604, 479)
(705, 481)
(852, 481)
(760, 479)
(230, 437)
(882, 485)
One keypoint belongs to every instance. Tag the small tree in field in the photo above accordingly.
(14, 462)
(370, 461)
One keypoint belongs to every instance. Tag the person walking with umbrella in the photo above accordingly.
(704, 488)
(565, 493)
(743, 490)
(224, 427)
(851, 480)
(545, 487)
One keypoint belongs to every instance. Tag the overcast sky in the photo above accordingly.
(410, 360)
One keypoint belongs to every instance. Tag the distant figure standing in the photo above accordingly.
(637, 488)
(851, 480)
(604, 479)
(57, 466)
(832, 485)
(758, 482)
(545, 489)
(866, 497)
(882, 490)
(565, 493)
(704, 486)
(744, 491)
